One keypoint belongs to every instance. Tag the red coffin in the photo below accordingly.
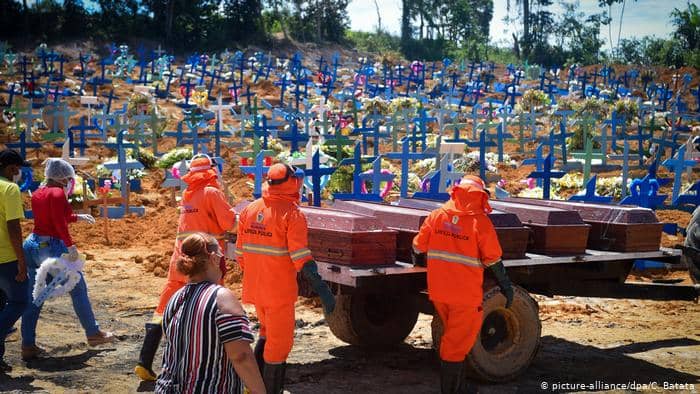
(512, 235)
(619, 228)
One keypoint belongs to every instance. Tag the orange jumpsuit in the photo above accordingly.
(203, 209)
(271, 248)
(460, 241)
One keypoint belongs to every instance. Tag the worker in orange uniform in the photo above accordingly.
(459, 241)
(203, 209)
(271, 248)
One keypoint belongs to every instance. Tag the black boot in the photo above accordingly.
(259, 350)
(273, 377)
(144, 368)
(451, 377)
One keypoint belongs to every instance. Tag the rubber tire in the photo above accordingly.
(503, 363)
(353, 323)
(692, 260)
(693, 268)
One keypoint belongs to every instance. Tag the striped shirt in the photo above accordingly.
(194, 360)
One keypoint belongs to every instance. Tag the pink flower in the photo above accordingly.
(530, 182)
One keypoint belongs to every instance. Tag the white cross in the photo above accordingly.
(159, 52)
(218, 109)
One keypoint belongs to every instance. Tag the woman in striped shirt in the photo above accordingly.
(207, 333)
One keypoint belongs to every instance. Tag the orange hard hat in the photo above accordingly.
(280, 173)
(472, 183)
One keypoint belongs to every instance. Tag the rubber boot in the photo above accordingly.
(144, 368)
(273, 377)
(451, 377)
(258, 352)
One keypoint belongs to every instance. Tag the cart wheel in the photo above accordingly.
(509, 338)
(373, 319)
(693, 264)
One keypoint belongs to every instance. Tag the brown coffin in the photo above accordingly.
(346, 238)
(349, 238)
(406, 221)
(512, 235)
(556, 231)
(620, 228)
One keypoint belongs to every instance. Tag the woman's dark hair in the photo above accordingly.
(195, 253)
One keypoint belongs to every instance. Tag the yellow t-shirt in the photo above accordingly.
(10, 209)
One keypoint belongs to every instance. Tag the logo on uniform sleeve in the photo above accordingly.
(455, 219)
(259, 217)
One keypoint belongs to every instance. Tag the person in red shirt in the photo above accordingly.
(460, 242)
(50, 238)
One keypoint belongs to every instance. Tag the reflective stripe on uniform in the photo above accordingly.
(454, 258)
(300, 253)
(263, 249)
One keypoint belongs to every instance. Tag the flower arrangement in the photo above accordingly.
(401, 103)
(375, 105)
(533, 100)
(174, 156)
(627, 109)
(592, 107)
(572, 183)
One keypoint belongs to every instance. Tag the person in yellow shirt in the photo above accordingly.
(13, 270)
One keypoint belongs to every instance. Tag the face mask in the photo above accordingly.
(69, 187)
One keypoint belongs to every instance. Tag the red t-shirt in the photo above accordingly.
(52, 213)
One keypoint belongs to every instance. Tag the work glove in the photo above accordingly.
(73, 253)
(86, 218)
(310, 273)
(499, 272)
(418, 259)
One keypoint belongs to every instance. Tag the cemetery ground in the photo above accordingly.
(645, 341)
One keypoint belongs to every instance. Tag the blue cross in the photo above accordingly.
(23, 145)
(316, 172)
(178, 134)
(614, 121)
(377, 176)
(641, 137)
(456, 136)
(421, 122)
(294, 137)
(188, 89)
(356, 193)
(678, 165)
(664, 143)
(124, 165)
(10, 94)
(259, 170)
(546, 175)
(81, 128)
(405, 157)
(511, 92)
(483, 146)
(218, 134)
(625, 166)
(374, 134)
